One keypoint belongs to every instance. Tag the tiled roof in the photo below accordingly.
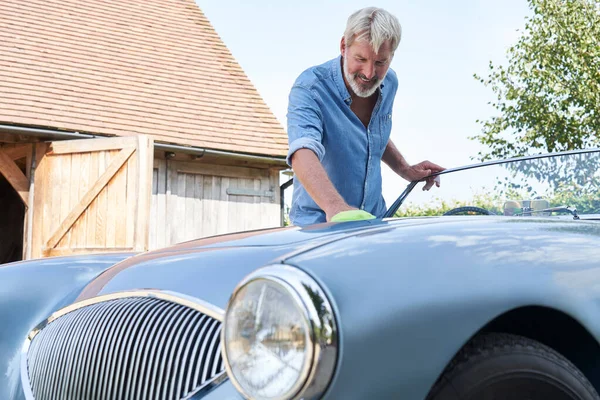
(129, 67)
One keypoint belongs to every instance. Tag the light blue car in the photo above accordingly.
(497, 299)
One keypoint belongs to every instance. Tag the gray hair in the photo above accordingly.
(375, 25)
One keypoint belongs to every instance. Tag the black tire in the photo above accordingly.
(473, 209)
(499, 366)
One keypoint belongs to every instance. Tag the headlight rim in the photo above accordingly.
(297, 388)
(322, 360)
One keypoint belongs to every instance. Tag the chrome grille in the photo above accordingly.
(133, 347)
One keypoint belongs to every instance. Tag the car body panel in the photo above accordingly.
(60, 281)
(395, 341)
(398, 333)
(50, 284)
(225, 391)
(225, 259)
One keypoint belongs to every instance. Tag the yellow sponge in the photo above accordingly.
(352, 215)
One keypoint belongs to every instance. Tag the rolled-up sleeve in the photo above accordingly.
(304, 123)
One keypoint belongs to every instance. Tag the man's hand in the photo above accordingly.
(421, 170)
(395, 160)
(333, 211)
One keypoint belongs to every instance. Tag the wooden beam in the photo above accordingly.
(10, 138)
(39, 195)
(220, 160)
(28, 224)
(220, 170)
(18, 152)
(14, 176)
(89, 145)
(145, 155)
(112, 169)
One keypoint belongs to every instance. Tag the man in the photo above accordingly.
(339, 124)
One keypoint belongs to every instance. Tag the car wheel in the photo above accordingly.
(499, 366)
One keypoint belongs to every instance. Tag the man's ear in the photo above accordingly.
(343, 46)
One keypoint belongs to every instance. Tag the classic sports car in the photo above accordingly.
(498, 299)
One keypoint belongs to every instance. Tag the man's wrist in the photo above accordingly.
(403, 170)
(336, 207)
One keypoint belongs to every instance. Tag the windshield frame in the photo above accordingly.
(400, 200)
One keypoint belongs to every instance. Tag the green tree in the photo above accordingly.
(437, 207)
(548, 97)
(584, 203)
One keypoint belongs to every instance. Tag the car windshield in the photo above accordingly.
(561, 184)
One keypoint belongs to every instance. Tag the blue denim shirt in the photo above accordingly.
(319, 118)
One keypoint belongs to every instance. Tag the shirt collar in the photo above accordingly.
(338, 77)
(336, 68)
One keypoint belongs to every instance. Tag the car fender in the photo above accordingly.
(30, 291)
(407, 299)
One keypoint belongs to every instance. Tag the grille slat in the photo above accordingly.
(154, 337)
(211, 348)
(203, 349)
(169, 359)
(184, 343)
(186, 356)
(100, 365)
(125, 347)
(158, 349)
(215, 361)
(68, 354)
(142, 343)
(132, 334)
(82, 367)
(45, 360)
(93, 363)
(75, 355)
(34, 351)
(114, 345)
(91, 386)
(39, 380)
(59, 355)
(194, 357)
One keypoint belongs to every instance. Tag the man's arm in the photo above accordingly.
(395, 160)
(305, 133)
(311, 173)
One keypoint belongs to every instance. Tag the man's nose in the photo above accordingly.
(369, 70)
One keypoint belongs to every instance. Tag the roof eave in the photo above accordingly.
(50, 134)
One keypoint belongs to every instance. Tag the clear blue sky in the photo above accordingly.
(443, 44)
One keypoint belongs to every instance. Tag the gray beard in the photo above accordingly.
(360, 92)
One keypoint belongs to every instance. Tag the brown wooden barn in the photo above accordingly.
(127, 126)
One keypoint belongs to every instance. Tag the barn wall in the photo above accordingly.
(191, 200)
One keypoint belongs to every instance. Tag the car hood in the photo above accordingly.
(210, 268)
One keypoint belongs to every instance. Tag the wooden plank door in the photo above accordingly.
(192, 200)
(92, 196)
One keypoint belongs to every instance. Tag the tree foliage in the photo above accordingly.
(563, 180)
(584, 203)
(548, 96)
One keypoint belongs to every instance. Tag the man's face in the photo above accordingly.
(364, 69)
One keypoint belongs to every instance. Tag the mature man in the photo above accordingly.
(339, 124)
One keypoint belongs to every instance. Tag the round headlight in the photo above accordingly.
(279, 333)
